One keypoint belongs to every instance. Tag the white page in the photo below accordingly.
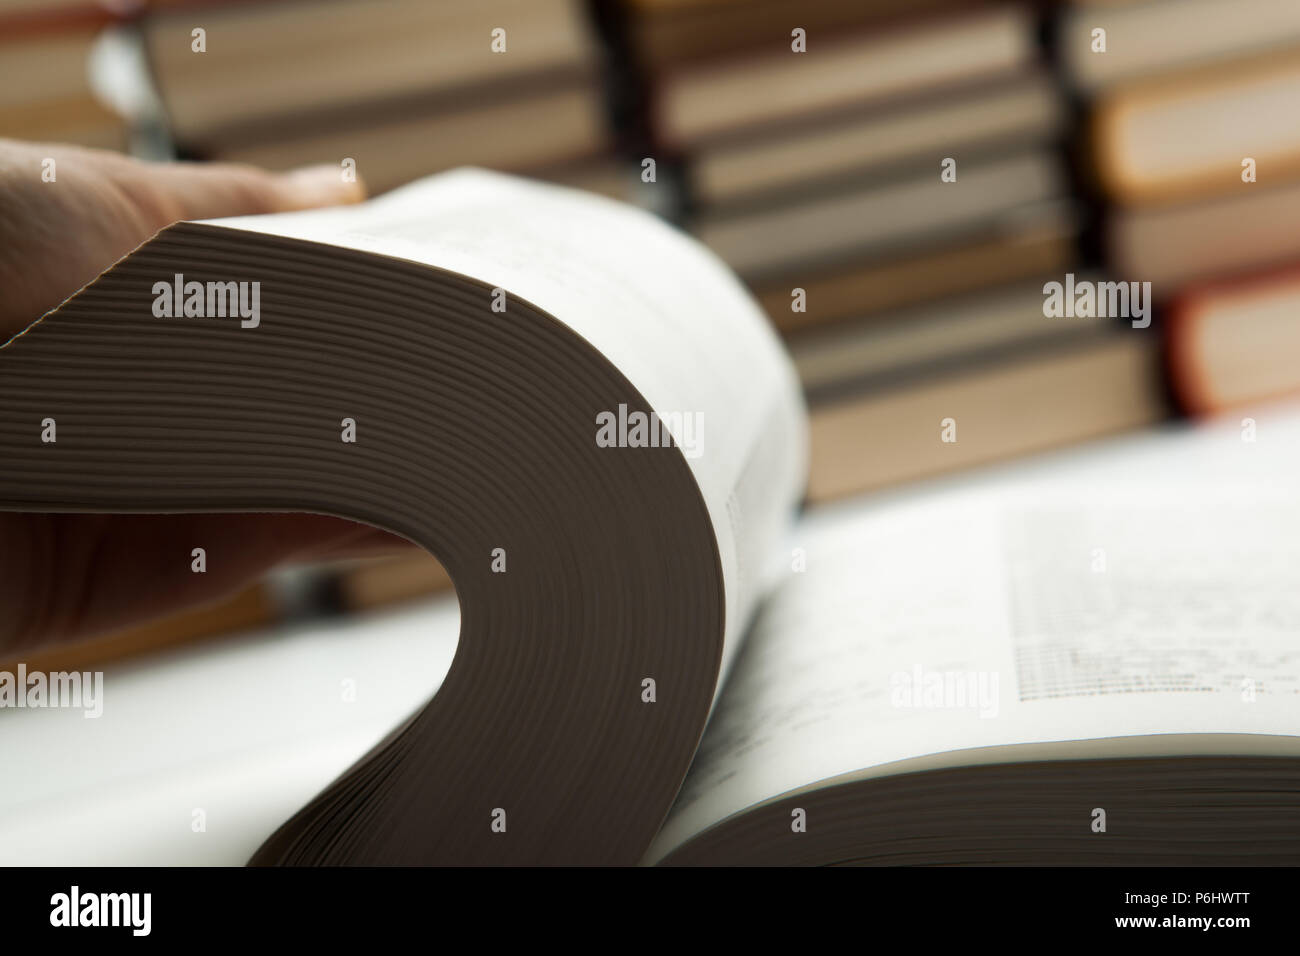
(660, 306)
(991, 598)
(247, 729)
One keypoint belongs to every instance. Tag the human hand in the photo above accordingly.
(67, 576)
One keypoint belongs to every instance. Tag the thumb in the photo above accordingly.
(214, 190)
(55, 240)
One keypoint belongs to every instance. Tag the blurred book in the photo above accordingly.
(912, 154)
(14, 11)
(393, 147)
(1037, 240)
(967, 382)
(412, 86)
(295, 593)
(1192, 144)
(855, 222)
(250, 607)
(664, 32)
(1024, 405)
(1236, 343)
(1174, 247)
(1149, 38)
(900, 346)
(774, 84)
(1190, 135)
(381, 582)
(262, 60)
(45, 87)
(887, 195)
(1008, 113)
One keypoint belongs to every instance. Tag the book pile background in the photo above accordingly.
(1193, 148)
(403, 87)
(896, 197)
(45, 89)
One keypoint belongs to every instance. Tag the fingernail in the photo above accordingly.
(324, 185)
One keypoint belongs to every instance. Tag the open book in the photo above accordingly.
(582, 414)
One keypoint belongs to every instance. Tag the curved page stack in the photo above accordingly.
(495, 350)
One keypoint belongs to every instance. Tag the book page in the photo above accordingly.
(256, 725)
(657, 304)
(1151, 587)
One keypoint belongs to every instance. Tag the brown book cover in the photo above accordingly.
(1000, 411)
(1201, 134)
(260, 63)
(1236, 343)
(724, 95)
(680, 31)
(1044, 241)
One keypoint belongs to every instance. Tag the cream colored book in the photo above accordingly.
(1188, 243)
(45, 88)
(1216, 133)
(393, 147)
(1149, 38)
(1010, 113)
(261, 63)
(780, 85)
(810, 232)
(997, 408)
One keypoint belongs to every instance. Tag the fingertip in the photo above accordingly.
(323, 185)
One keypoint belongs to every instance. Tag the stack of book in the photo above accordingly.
(403, 88)
(889, 181)
(1196, 149)
(45, 87)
